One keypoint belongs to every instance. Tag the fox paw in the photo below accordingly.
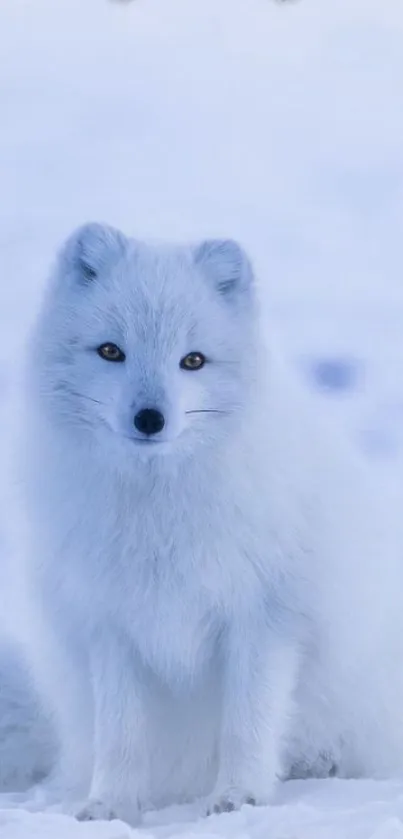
(229, 801)
(97, 810)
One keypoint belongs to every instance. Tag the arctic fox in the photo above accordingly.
(212, 604)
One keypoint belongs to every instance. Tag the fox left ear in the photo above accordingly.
(90, 249)
(227, 266)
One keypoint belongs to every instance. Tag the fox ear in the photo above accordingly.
(90, 249)
(227, 266)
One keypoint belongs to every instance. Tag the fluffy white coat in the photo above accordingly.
(214, 608)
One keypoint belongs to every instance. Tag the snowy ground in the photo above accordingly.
(304, 810)
(281, 124)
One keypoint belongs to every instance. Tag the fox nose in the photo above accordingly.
(149, 421)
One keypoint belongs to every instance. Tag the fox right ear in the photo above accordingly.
(90, 249)
(227, 266)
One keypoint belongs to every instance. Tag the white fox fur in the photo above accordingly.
(218, 607)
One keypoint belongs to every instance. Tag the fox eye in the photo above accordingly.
(111, 352)
(193, 361)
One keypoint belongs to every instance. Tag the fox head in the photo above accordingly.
(146, 347)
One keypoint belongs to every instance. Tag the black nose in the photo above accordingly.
(149, 421)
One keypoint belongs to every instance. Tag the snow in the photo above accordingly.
(278, 123)
(331, 809)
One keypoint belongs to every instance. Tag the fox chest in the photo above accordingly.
(171, 592)
(175, 629)
(175, 604)
(174, 622)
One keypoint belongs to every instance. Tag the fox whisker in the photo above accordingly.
(207, 411)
